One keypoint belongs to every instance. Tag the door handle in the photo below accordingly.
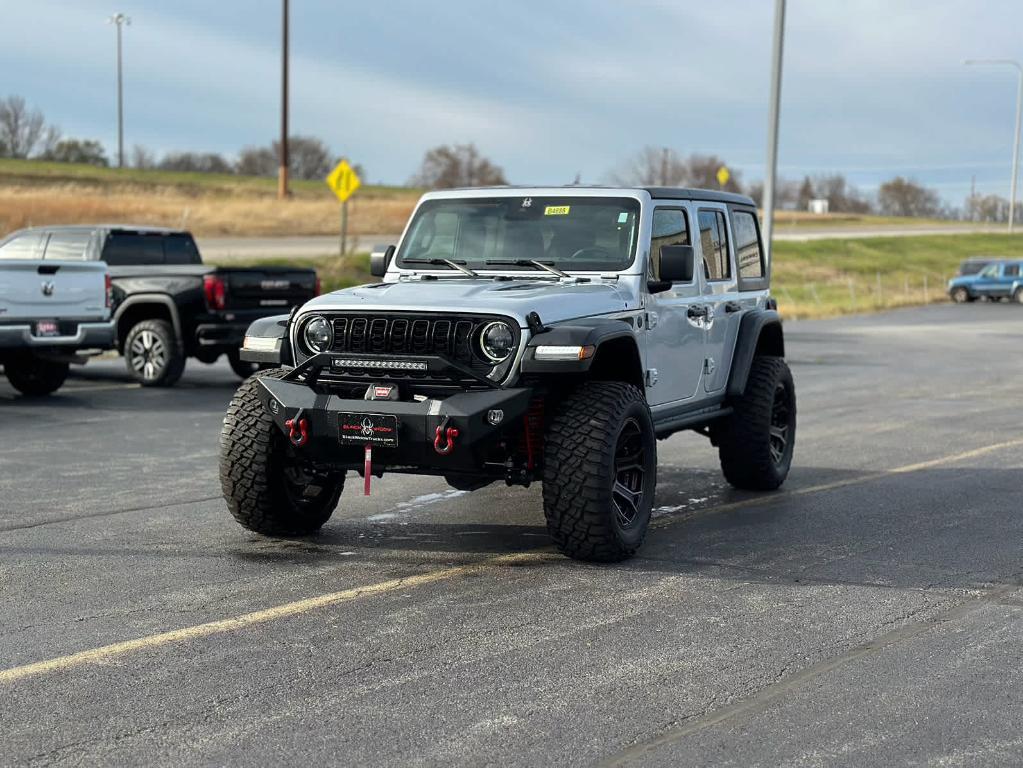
(697, 311)
(733, 306)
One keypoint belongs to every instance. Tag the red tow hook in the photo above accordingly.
(444, 441)
(298, 429)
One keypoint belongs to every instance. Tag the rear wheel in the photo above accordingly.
(600, 472)
(153, 355)
(756, 442)
(33, 376)
(268, 486)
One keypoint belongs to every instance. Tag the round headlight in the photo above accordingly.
(497, 341)
(318, 334)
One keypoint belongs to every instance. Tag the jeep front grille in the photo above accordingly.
(400, 335)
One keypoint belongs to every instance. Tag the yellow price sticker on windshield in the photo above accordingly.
(557, 210)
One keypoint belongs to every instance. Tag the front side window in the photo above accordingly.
(670, 227)
(571, 233)
(26, 246)
(70, 246)
(748, 254)
(714, 243)
(990, 271)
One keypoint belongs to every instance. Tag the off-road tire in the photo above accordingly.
(579, 475)
(745, 437)
(961, 295)
(253, 454)
(34, 376)
(1017, 296)
(154, 343)
(241, 367)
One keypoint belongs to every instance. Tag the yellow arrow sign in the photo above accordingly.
(343, 181)
(723, 176)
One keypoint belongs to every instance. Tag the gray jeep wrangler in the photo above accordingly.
(521, 335)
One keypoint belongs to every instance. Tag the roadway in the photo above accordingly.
(870, 613)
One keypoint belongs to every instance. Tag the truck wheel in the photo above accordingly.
(755, 443)
(153, 355)
(1018, 296)
(241, 367)
(600, 472)
(33, 376)
(267, 486)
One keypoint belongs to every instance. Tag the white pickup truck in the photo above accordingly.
(52, 309)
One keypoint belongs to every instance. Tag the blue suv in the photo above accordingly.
(1001, 279)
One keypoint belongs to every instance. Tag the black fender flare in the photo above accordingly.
(595, 332)
(760, 332)
(273, 327)
(150, 298)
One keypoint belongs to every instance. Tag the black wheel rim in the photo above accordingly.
(629, 473)
(302, 485)
(779, 439)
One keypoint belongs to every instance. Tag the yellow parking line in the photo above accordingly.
(298, 607)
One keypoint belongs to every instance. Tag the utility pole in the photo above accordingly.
(282, 171)
(120, 20)
(772, 122)
(1019, 114)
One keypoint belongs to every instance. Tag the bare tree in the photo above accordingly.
(308, 157)
(142, 158)
(806, 194)
(665, 167)
(459, 165)
(842, 196)
(257, 161)
(904, 197)
(21, 128)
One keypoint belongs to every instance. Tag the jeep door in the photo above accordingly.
(988, 280)
(673, 339)
(721, 294)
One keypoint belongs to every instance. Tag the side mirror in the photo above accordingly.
(677, 263)
(380, 260)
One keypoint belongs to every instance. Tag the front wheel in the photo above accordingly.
(961, 295)
(268, 486)
(1018, 296)
(756, 442)
(34, 376)
(600, 472)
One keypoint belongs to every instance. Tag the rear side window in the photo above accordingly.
(26, 246)
(1012, 270)
(127, 249)
(714, 244)
(670, 227)
(180, 249)
(67, 246)
(748, 253)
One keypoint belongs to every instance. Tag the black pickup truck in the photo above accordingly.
(168, 305)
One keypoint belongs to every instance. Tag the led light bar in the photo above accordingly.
(551, 352)
(400, 365)
(261, 343)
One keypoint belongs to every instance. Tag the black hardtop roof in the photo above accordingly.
(684, 193)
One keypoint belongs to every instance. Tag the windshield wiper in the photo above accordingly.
(549, 266)
(445, 262)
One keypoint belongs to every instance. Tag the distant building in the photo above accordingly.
(818, 206)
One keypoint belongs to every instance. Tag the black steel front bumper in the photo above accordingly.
(417, 421)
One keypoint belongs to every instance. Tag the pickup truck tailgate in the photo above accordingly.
(31, 289)
(268, 287)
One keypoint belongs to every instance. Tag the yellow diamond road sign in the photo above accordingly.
(723, 175)
(343, 180)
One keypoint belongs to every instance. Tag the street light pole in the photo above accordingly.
(120, 20)
(1015, 143)
(282, 171)
(772, 122)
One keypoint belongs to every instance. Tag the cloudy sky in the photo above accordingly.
(872, 88)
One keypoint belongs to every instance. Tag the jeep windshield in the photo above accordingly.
(587, 234)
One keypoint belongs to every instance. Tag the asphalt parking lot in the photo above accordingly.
(871, 613)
